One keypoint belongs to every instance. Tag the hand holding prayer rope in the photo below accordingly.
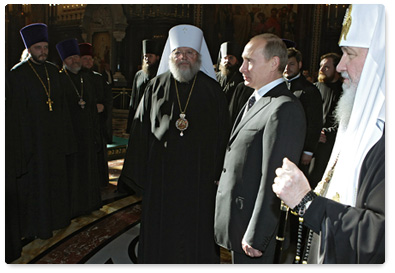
(290, 185)
(249, 250)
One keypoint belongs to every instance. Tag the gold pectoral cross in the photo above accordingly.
(50, 102)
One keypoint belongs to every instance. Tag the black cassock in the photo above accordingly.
(82, 167)
(15, 166)
(229, 83)
(140, 81)
(45, 139)
(353, 234)
(103, 96)
(330, 93)
(177, 174)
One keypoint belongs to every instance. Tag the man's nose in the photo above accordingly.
(341, 65)
(242, 67)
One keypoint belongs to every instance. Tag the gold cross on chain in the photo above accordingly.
(49, 102)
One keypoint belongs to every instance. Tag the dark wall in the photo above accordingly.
(219, 23)
(136, 32)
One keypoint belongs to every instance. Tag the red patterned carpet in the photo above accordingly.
(83, 244)
(108, 236)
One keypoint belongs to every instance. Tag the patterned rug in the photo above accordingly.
(111, 239)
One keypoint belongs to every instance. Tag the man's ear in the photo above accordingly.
(275, 63)
(300, 64)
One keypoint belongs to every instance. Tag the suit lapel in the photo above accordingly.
(240, 123)
(279, 90)
(239, 116)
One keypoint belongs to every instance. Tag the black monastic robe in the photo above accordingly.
(46, 138)
(229, 83)
(103, 96)
(140, 81)
(176, 174)
(15, 166)
(350, 235)
(330, 93)
(82, 167)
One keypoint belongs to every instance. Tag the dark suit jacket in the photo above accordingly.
(272, 129)
(311, 100)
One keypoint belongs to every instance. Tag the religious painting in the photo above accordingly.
(241, 22)
(101, 49)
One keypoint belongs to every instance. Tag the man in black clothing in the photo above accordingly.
(82, 167)
(45, 138)
(104, 108)
(311, 101)
(348, 216)
(240, 96)
(175, 153)
(13, 169)
(229, 61)
(330, 86)
(150, 63)
(270, 126)
(243, 92)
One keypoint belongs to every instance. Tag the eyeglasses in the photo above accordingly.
(189, 53)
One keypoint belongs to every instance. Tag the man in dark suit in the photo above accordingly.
(271, 125)
(311, 100)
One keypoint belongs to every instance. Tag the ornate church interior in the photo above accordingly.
(116, 31)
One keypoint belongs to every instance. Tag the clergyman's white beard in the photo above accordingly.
(345, 104)
(184, 75)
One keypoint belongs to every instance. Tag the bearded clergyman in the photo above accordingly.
(346, 211)
(229, 61)
(175, 154)
(41, 135)
(149, 67)
(330, 86)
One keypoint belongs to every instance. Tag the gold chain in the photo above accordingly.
(47, 91)
(178, 96)
(75, 88)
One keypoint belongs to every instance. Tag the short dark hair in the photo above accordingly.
(335, 57)
(293, 52)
